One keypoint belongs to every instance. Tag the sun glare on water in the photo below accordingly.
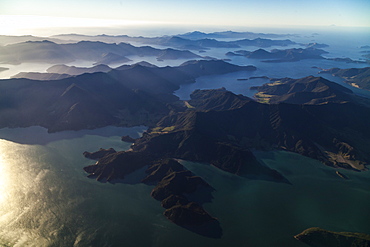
(4, 176)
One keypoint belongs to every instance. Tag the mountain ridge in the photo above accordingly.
(135, 95)
(356, 77)
(50, 52)
(309, 90)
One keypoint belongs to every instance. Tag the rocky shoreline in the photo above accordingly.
(221, 128)
(317, 237)
(173, 184)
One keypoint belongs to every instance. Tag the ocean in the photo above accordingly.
(46, 199)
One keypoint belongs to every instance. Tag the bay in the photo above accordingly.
(294, 70)
(47, 200)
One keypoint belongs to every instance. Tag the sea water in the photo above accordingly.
(263, 213)
(46, 199)
(342, 43)
(239, 82)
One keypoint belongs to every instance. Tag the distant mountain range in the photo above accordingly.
(50, 52)
(232, 35)
(276, 56)
(71, 38)
(13, 39)
(291, 55)
(61, 71)
(190, 41)
(126, 96)
(187, 42)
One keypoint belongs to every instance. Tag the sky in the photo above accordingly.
(23, 15)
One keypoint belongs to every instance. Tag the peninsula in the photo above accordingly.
(359, 78)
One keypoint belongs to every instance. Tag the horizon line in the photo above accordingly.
(30, 24)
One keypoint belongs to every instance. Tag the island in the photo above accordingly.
(127, 138)
(316, 45)
(317, 237)
(312, 51)
(309, 90)
(347, 60)
(174, 186)
(221, 128)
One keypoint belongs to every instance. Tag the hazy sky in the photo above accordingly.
(190, 12)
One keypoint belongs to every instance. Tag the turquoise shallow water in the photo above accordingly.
(47, 200)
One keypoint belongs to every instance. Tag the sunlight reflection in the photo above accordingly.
(4, 176)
